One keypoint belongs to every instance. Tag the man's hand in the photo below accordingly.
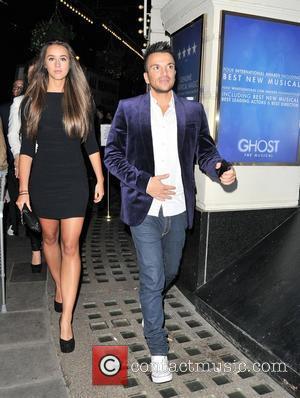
(228, 177)
(158, 190)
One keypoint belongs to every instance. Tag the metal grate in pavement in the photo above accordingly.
(108, 313)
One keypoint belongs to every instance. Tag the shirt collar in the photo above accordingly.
(171, 103)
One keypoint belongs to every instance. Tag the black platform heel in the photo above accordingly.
(66, 346)
(36, 268)
(58, 307)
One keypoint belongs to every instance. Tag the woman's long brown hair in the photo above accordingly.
(77, 99)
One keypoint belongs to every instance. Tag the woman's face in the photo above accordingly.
(57, 62)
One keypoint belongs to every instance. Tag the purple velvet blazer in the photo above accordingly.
(129, 153)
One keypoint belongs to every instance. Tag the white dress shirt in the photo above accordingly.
(166, 160)
(14, 126)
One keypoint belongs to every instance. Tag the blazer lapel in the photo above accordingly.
(145, 130)
(180, 115)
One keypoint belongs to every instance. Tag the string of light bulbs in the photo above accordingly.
(122, 40)
(76, 11)
(79, 13)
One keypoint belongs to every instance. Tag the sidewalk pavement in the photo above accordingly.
(29, 366)
(108, 313)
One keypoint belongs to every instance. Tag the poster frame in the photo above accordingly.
(201, 40)
(223, 15)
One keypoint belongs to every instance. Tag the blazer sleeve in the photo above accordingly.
(207, 153)
(115, 157)
(27, 144)
(14, 125)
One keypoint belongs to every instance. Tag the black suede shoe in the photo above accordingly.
(57, 306)
(36, 268)
(67, 346)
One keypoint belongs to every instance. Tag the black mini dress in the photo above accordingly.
(58, 183)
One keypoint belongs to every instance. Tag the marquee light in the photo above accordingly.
(68, 5)
(76, 11)
(122, 40)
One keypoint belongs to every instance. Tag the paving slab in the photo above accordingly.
(27, 363)
(23, 327)
(22, 273)
(23, 297)
(54, 388)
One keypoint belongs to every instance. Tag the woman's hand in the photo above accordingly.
(23, 199)
(99, 191)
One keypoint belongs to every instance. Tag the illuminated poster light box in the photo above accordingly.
(259, 88)
(187, 47)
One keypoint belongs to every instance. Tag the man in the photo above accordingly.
(17, 89)
(153, 144)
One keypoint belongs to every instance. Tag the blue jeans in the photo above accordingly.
(159, 242)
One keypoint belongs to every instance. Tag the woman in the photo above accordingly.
(15, 145)
(57, 116)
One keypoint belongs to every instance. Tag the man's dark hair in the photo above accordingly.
(158, 47)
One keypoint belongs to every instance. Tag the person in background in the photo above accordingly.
(12, 216)
(108, 118)
(18, 87)
(3, 153)
(58, 116)
(14, 126)
(100, 115)
(153, 145)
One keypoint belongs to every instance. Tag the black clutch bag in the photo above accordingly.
(30, 219)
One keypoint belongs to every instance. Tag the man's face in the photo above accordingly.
(161, 72)
(17, 87)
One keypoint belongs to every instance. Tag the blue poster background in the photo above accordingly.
(259, 110)
(186, 45)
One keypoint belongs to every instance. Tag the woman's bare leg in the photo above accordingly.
(70, 271)
(52, 252)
